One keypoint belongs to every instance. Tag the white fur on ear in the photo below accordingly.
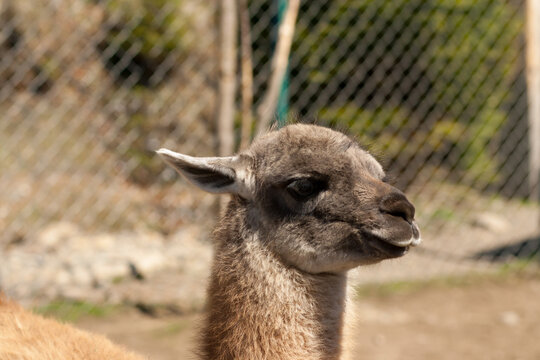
(213, 174)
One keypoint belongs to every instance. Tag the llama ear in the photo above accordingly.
(213, 174)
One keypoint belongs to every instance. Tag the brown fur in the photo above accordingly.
(278, 281)
(26, 336)
(260, 308)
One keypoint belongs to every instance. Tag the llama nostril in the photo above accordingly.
(396, 204)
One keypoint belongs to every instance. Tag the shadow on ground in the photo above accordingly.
(528, 249)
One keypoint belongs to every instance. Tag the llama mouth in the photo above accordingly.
(390, 247)
(399, 241)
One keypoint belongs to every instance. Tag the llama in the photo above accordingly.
(26, 336)
(307, 205)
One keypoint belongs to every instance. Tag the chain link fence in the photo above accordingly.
(90, 88)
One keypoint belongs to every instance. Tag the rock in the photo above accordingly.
(63, 277)
(150, 261)
(82, 277)
(510, 318)
(101, 242)
(55, 235)
(63, 261)
(106, 270)
(174, 291)
(491, 222)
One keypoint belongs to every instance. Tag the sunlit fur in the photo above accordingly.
(26, 336)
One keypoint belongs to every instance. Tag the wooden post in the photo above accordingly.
(227, 82)
(247, 73)
(533, 91)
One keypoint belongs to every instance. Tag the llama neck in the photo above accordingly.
(261, 309)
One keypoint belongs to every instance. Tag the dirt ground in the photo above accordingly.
(485, 318)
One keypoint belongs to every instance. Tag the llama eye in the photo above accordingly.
(302, 189)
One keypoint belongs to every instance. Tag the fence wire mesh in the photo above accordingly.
(89, 89)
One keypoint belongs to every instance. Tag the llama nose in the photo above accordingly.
(396, 204)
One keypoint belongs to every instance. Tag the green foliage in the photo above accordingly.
(140, 126)
(156, 26)
(457, 57)
(391, 132)
(529, 265)
(369, 126)
(444, 214)
(507, 273)
(141, 35)
(72, 311)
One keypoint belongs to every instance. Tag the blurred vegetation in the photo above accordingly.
(424, 82)
(141, 35)
(72, 311)
(139, 126)
(144, 41)
(425, 79)
(415, 79)
(39, 74)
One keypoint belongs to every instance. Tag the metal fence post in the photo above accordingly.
(283, 100)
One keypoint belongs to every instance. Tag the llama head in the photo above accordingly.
(313, 196)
